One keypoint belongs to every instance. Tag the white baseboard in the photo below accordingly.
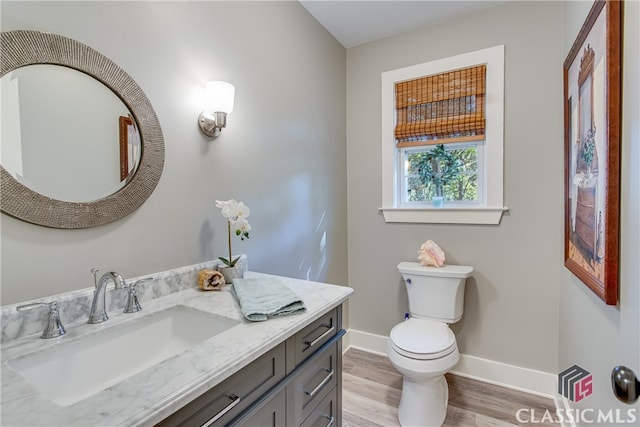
(511, 376)
(489, 371)
(376, 344)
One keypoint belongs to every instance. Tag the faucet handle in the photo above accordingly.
(133, 305)
(54, 327)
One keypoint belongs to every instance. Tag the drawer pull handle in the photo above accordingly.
(235, 400)
(321, 385)
(314, 342)
(331, 420)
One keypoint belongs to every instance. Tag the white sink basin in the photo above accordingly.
(74, 371)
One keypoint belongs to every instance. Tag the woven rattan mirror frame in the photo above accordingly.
(21, 48)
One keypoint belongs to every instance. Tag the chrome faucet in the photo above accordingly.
(98, 313)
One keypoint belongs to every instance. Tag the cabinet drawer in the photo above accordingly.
(270, 412)
(227, 400)
(312, 337)
(325, 414)
(313, 383)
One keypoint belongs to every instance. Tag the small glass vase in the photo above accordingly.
(437, 201)
(231, 273)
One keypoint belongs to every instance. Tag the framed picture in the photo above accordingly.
(592, 97)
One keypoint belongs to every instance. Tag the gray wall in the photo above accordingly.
(511, 305)
(283, 152)
(593, 335)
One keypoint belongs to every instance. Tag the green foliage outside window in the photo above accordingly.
(451, 173)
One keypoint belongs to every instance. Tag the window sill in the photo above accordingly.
(444, 215)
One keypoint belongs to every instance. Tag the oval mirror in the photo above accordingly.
(82, 145)
(59, 123)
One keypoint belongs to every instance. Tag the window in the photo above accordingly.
(460, 186)
(442, 140)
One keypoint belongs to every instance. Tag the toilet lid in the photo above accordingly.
(422, 339)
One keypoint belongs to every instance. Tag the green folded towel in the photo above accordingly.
(262, 298)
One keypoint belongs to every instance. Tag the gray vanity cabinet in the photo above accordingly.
(314, 336)
(228, 399)
(269, 412)
(325, 414)
(312, 383)
(297, 383)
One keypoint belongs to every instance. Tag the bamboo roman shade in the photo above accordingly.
(441, 108)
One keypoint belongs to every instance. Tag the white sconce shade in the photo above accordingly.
(220, 97)
(219, 102)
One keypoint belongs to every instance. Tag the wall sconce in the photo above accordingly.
(219, 103)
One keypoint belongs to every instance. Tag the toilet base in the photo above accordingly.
(423, 402)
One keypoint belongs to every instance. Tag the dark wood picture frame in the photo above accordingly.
(124, 123)
(592, 107)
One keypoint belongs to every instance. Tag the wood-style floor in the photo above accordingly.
(372, 388)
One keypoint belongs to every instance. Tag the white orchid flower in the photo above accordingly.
(242, 211)
(229, 208)
(232, 209)
(241, 227)
(236, 214)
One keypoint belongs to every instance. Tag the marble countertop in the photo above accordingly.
(151, 395)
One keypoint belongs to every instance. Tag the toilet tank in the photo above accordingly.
(435, 293)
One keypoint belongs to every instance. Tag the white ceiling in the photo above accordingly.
(354, 23)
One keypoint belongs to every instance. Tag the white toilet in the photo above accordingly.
(423, 348)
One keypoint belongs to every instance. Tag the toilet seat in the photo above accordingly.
(422, 339)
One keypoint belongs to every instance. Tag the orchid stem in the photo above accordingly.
(229, 234)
